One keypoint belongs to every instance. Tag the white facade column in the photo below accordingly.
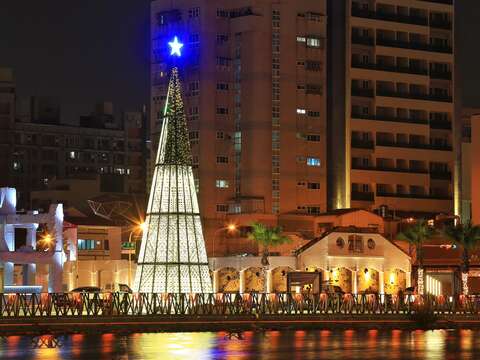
(268, 276)
(30, 270)
(241, 275)
(381, 279)
(8, 245)
(215, 281)
(408, 279)
(354, 282)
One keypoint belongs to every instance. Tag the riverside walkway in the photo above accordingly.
(71, 312)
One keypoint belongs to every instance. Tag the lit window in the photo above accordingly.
(222, 184)
(313, 137)
(222, 159)
(301, 111)
(311, 161)
(313, 186)
(301, 39)
(16, 165)
(222, 208)
(314, 42)
(86, 244)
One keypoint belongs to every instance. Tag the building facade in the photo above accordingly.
(39, 147)
(254, 77)
(391, 106)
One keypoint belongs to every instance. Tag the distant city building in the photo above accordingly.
(254, 75)
(38, 147)
(391, 97)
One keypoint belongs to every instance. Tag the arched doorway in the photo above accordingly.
(279, 278)
(228, 280)
(254, 279)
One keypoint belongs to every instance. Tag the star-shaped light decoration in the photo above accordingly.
(175, 47)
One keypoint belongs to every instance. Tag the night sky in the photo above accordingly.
(89, 50)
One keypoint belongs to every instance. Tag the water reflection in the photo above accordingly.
(341, 344)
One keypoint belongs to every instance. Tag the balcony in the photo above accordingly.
(413, 45)
(362, 40)
(446, 2)
(444, 75)
(377, 15)
(414, 96)
(414, 196)
(441, 24)
(440, 125)
(362, 92)
(389, 119)
(382, 67)
(362, 144)
(440, 175)
(389, 169)
(363, 196)
(382, 142)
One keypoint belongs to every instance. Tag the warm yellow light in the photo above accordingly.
(392, 278)
(47, 239)
(367, 274)
(142, 226)
(232, 227)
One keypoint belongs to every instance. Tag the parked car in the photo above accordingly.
(87, 289)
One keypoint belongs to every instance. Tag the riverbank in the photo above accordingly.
(135, 324)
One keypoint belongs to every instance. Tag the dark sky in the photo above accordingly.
(89, 50)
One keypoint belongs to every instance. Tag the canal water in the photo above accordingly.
(291, 345)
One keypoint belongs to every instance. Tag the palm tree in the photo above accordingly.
(416, 235)
(267, 237)
(467, 236)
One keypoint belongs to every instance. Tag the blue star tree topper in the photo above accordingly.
(175, 47)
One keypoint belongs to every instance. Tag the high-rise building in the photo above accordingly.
(392, 134)
(254, 73)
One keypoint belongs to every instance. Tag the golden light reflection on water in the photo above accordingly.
(173, 346)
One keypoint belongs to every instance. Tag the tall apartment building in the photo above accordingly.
(38, 147)
(254, 76)
(391, 108)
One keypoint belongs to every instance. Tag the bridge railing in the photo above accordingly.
(228, 304)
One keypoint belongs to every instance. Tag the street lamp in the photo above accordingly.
(138, 228)
(230, 228)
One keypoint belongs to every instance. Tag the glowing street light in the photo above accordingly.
(175, 47)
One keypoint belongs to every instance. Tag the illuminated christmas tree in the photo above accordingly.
(172, 257)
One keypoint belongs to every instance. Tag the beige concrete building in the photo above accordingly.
(391, 106)
(254, 75)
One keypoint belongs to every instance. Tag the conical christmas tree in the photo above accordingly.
(172, 256)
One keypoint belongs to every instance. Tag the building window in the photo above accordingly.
(194, 12)
(222, 208)
(313, 210)
(313, 186)
(314, 42)
(222, 184)
(222, 38)
(355, 243)
(313, 137)
(301, 111)
(222, 86)
(222, 111)
(220, 135)
(222, 159)
(313, 65)
(313, 113)
(223, 13)
(275, 184)
(193, 38)
(301, 39)
(193, 88)
(86, 244)
(311, 161)
(223, 61)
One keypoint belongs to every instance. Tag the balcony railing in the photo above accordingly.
(363, 196)
(414, 45)
(363, 40)
(441, 24)
(440, 125)
(377, 15)
(362, 92)
(382, 67)
(442, 147)
(362, 144)
(389, 118)
(441, 175)
(447, 2)
(389, 169)
(414, 196)
(415, 96)
(444, 75)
